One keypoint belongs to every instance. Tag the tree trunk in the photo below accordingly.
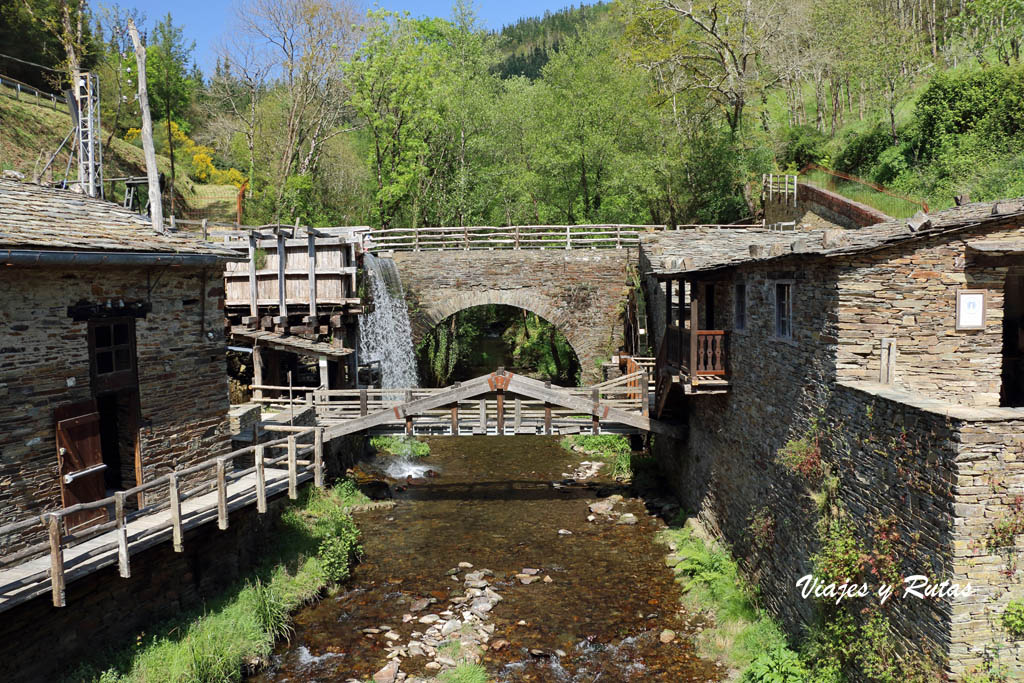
(155, 208)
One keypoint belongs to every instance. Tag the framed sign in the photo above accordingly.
(970, 309)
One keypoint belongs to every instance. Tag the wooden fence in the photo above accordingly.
(607, 236)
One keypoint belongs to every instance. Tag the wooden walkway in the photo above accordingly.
(32, 578)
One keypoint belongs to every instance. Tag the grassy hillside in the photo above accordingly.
(528, 44)
(30, 133)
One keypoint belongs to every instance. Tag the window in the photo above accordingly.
(112, 351)
(784, 310)
(739, 303)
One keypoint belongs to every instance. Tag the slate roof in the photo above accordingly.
(47, 219)
(692, 251)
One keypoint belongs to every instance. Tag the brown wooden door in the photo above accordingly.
(78, 449)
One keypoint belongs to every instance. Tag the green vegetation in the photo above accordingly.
(743, 634)
(479, 339)
(1012, 618)
(465, 673)
(407, 446)
(240, 626)
(612, 448)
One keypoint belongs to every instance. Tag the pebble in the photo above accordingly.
(548, 579)
(667, 636)
(388, 673)
(564, 532)
(429, 619)
(406, 618)
(419, 605)
(433, 666)
(465, 565)
(530, 571)
(391, 635)
(539, 653)
(560, 653)
(450, 627)
(627, 518)
(521, 622)
(525, 579)
(499, 645)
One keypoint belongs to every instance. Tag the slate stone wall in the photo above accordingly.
(44, 363)
(582, 292)
(820, 208)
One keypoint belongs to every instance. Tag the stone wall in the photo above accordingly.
(44, 363)
(820, 208)
(910, 295)
(581, 292)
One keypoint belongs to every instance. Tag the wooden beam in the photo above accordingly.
(254, 310)
(694, 310)
(222, 494)
(257, 370)
(501, 412)
(325, 375)
(455, 419)
(56, 561)
(123, 568)
(261, 481)
(318, 457)
(282, 280)
(293, 469)
(595, 397)
(174, 496)
(312, 273)
(668, 303)
(518, 420)
(483, 415)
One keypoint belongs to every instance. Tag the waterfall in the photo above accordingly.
(385, 334)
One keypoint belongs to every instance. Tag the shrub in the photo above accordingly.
(401, 445)
(803, 457)
(802, 145)
(780, 665)
(1013, 618)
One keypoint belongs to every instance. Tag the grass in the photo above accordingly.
(238, 628)
(611, 448)
(711, 583)
(465, 673)
(401, 445)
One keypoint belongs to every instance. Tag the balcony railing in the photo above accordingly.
(710, 357)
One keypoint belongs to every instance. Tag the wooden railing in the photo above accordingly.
(782, 186)
(512, 237)
(711, 352)
(211, 475)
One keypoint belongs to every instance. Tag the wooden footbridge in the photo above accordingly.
(497, 404)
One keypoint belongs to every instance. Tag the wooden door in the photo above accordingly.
(79, 450)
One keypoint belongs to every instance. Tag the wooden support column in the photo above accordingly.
(595, 397)
(363, 402)
(501, 412)
(174, 495)
(325, 376)
(645, 408)
(261, 481)
(668, 304)
(483, 415)
(293, 469)
(222, 493)
(694, 311)
(311, 241)
(547, 412)
(455, 419)
(257, 369)
(123, 568)
(254, 310)
(56, 561)
(682, 301)
(318, 457)
(282, 282)
(408, 418)
(518, 419)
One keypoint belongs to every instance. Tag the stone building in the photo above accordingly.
(894, 351)
(112, 359)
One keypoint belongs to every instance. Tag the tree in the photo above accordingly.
(118, 69)
(997, 24)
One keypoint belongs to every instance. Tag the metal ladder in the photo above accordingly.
(90, 149)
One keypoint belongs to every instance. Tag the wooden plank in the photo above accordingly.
(455, 419)
(175, 508)
(318, 457)
(596, 401)
(501, 412)
(483, 415)
(253, 307)
(56, 562)
(293, 472)
(312, 273)
(222, 494)
(261, 481)
(518, 419)
(282, 282)
(123, 567)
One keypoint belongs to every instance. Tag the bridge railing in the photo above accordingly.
(302, 455)
(603, 236)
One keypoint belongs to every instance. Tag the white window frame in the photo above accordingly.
(788, 336)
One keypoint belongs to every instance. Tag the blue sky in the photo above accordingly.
(205, 21)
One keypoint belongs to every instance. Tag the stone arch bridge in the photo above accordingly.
(582, 292)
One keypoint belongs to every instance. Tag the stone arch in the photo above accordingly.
(429, 317)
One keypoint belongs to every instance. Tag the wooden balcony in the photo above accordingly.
(698, 367)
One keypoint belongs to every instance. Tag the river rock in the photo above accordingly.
(602, 507)
(433, 666)
(548, 579)
(627, 518)
(388, 673)
(482, 605)
(539, 653)
(391, 635)
(525, 579)
(406, 618)
(564, 532)
(465, 565)
(450, 627)
(429, 619)
(667, 636)
(499, 645)
(480, 583)
(530, 571)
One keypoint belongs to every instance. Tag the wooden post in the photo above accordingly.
(56, 561)
(257, 371)
(455, 419)
(318, 457)
(282, 280)
(206, 230)
(595, 397)
(694, 310)
(618, 237)
(518, 419)
(123, 567)
(408, 418)
(483, 415)
(645, 408)
(568, 238)
(501, 412)
(325, 375)
(682, 301)
(293, 472)
(254, 310)
(222, 494)
(363, 400)
(261, 481)
(174, 496)
(547, 412)
(311, 239)
(517, 236)
(668, 303)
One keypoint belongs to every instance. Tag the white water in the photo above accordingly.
(385, 334)
(401, 467)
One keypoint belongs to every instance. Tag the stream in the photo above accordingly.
(497, 554)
